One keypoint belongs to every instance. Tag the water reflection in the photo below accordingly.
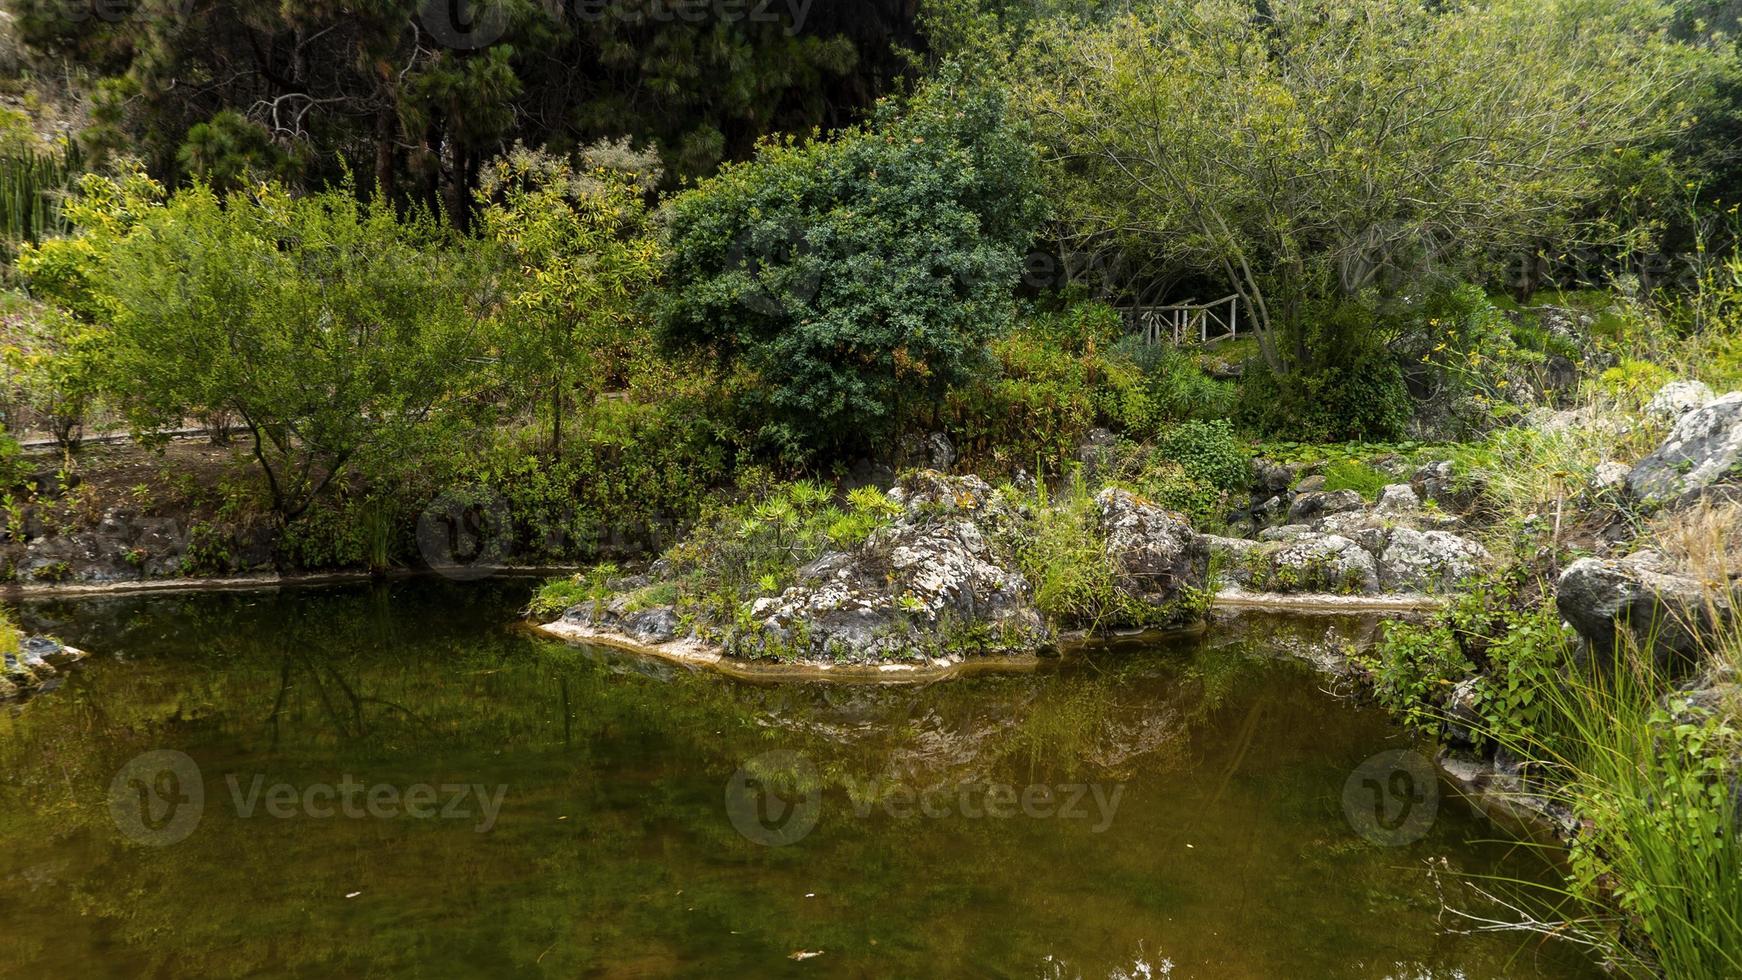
(1224, 853)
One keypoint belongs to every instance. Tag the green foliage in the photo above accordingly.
(1169, 484)
(1361, 399)
(31, 181)
(854, 275)
(54, 369)
(1062, 552)
(1287, 152)
(406, 88)
(1496, 631)
(14, 468)
(1350, 474)
(1048, 383)
(71, 272)
(755, 547)
(1633, 382)
(560, 594)
(227, 150)
(1210, 453)
(1175, 385)
(1412, 670)
(1655, 787)
(327, 326)
(579, 240)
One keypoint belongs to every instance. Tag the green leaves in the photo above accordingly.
(851, 276)
(326, 325)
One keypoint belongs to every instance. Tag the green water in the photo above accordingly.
(1219, 845)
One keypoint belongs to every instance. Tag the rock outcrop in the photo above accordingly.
(1676, 399)
(1702, 453)
(35, 666)
(939, 582)
(1613, 603)
(1428, 561)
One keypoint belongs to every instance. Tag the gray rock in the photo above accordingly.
(1271, 478)
(658, 625)
(1436, 482)
(1676, 399)
(1286, 532)
(1610, 477)
(1309, 505)
(940, 452)
(1463, 721)
(1614, 603)
(1153, 551)
(1398, 498)
(1429, 561)
(1704, 449)
(1325, 563)
(1269, 510)
(1312, 484)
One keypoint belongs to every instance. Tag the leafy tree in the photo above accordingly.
(583, 258)
(424, 92)
(845, 276)
(326, 326)
(1315, 149)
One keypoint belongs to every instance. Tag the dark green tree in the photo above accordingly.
(844, 277)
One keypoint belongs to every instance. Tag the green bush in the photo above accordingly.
(1209, 452)
(14, 468)
(861, 274)
(1167, 483)
(1046, 385)
(1175, 385)
(1361, 399)
(1062, 552)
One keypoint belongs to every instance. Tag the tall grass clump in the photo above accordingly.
(1657, 868)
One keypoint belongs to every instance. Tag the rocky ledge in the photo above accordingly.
(1336, 543)
(35, 667)
(939, 585)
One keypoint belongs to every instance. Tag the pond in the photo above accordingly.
(394, 779)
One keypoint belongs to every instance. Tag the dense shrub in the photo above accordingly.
(1210, 453)
(1360, 399)
(1175, 386)
(859, 274)
(1047, 384)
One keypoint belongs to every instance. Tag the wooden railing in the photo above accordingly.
(1188, 321)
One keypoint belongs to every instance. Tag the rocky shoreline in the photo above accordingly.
(36, 667)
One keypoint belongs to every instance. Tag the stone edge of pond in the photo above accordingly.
(695, 653)
(691, 652)
(1324, 602)
(231, 583)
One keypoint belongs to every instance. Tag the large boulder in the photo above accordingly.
(1702, 451)
(1428, 561)
(1610, 603)
(1676, 399)
(1153, 552)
